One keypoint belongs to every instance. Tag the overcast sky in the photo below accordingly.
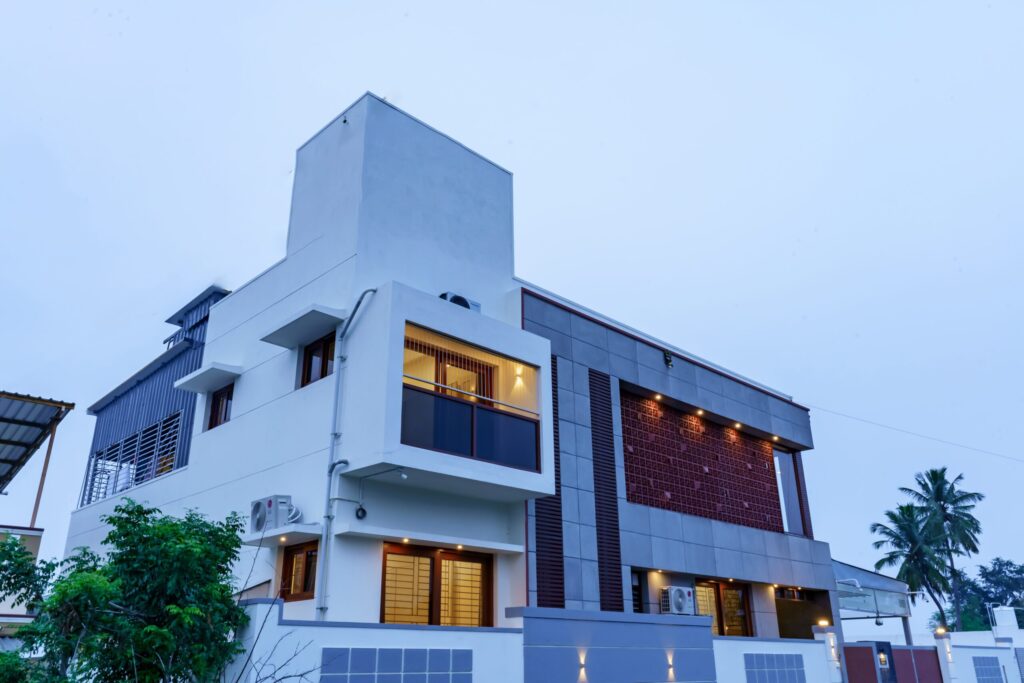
(825, 197)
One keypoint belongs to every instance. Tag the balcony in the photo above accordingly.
(459, 426)
(439, 398)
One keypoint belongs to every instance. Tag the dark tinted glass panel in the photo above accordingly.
(432, 421)
(506, 439)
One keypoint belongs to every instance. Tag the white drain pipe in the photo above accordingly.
(324, 553)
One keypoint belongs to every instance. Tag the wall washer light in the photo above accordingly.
(822, 622)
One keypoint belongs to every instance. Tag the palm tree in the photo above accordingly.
(912, 547)
(949, 510)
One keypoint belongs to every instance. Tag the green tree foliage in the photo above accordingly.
(950, 512)
(911, 546)
(157, 609)
(1003, 582)
(13, 669)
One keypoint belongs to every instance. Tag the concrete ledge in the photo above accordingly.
(255, 602)
(611, 617)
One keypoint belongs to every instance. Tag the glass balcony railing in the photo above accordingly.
(445, 423)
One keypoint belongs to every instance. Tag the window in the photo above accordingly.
(727, 605)
(317, 360)
(298, 578)
(220, 406)
(435, 586)
(139, 457)
(466, 401)
(638, 579)
(789, 496)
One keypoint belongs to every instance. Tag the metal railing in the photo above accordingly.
(142, 456)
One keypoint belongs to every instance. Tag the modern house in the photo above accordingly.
(453, 474)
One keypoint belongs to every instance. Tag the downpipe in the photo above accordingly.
(332, 465)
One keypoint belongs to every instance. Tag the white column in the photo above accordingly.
(835, 665)
(947, 665)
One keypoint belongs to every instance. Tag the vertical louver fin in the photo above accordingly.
(548, 522)
(606, 504)
(805, 507)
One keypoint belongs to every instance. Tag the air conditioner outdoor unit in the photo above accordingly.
(677, 600)
(460, 300)
(272, 512)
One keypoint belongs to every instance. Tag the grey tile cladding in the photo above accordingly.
(588, 343)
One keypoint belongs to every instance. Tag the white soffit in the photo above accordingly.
(305, 326)
(288, 534)
(209, 378)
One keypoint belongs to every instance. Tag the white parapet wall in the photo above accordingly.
(984, 664)
(277, 648)
(734, 656)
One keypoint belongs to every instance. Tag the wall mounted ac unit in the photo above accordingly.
(272, 512)
(460, 300)
(677, 600)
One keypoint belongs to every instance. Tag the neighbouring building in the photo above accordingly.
(455, 475)
(26, 424)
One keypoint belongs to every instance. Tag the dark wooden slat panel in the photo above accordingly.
(548, 524)
(606, 503)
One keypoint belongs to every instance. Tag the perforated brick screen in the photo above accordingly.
(681, 462)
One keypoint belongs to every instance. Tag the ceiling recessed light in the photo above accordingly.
(737, 425)
(657, 397)
(700, 411)
(775, 438)
(458, 547)
(284, 539)
(405, 540)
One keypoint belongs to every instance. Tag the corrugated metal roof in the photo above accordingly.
(25, 423)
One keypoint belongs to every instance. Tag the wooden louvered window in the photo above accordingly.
(435, 586)
(298, 578)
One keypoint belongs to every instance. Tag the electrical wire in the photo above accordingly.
(919, 435)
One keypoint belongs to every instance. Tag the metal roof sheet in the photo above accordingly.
(25, 423)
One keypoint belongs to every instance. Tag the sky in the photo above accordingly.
(825, 197)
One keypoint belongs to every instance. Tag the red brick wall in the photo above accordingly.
(678, 461)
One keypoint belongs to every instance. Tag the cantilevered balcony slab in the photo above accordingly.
(209, 378)
(305, 326)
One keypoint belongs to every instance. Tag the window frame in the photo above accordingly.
(436, 555)
(288, 565)
(218, 395)
(325, 345)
